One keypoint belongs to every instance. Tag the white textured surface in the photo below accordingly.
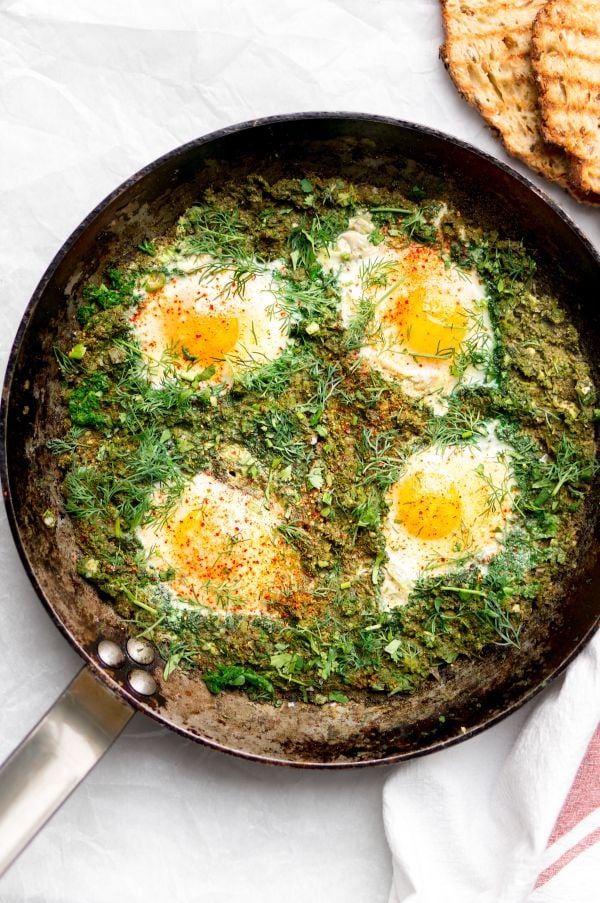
(91, 91)
(471, 824)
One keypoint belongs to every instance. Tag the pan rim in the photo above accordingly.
(118, 689)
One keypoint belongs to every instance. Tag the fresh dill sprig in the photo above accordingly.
(498, 493)
(363, 327)
(361, 330)
(67, 444)
(472, 600)
(419, 222)
(307, 304)
(274, 377)
(475, 351)
(375, 272)
(312, 236)
(67, 365)
(220, 236)
(380, 461)
(213, 231)
(548, 482)
(493, 611)
(293, 533)
(128, 489)
(326, 380)
(569, 470)
(87, 493)
(280, 434)
(238, 272)
(461, 425)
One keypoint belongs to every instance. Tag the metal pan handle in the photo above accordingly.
(54, 758)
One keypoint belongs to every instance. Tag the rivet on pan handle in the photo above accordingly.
(52, 760)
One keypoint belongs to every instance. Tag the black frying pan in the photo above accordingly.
(469, 696)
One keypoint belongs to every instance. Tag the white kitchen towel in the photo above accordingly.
(508, 816)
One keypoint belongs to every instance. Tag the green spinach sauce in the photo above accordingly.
(329, 439)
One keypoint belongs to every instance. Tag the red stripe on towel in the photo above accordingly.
(567, 857)
(583, 798)
(584, 795)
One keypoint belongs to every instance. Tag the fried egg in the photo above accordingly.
(224, 550)
(450, 509)
(429, 325)
(203, 319)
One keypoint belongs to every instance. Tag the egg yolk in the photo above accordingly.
(428, 322)
(205, 337)
(427, 505)
(251, 557)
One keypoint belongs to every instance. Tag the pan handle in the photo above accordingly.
(54, 758)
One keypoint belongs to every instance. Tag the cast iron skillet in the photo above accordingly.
(469, 696)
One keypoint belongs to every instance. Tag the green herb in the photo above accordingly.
(336, 696)
(312, 237)
(86, 401)
(146, 247)
(257, 686)
(154, 281)
(416, 223)
(462, 425)
(77, 352)
(118, 289)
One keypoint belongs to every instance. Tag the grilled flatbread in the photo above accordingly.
(488, 55)
(566, 63)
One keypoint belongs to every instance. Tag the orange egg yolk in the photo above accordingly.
(253, 561)
(429, 323)
(205, 337)
(428, 506)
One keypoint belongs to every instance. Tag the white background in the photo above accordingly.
(89, 93)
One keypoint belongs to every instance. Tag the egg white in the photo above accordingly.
(450, 508)
(389, 275)
(202, 319)
(224, 549)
